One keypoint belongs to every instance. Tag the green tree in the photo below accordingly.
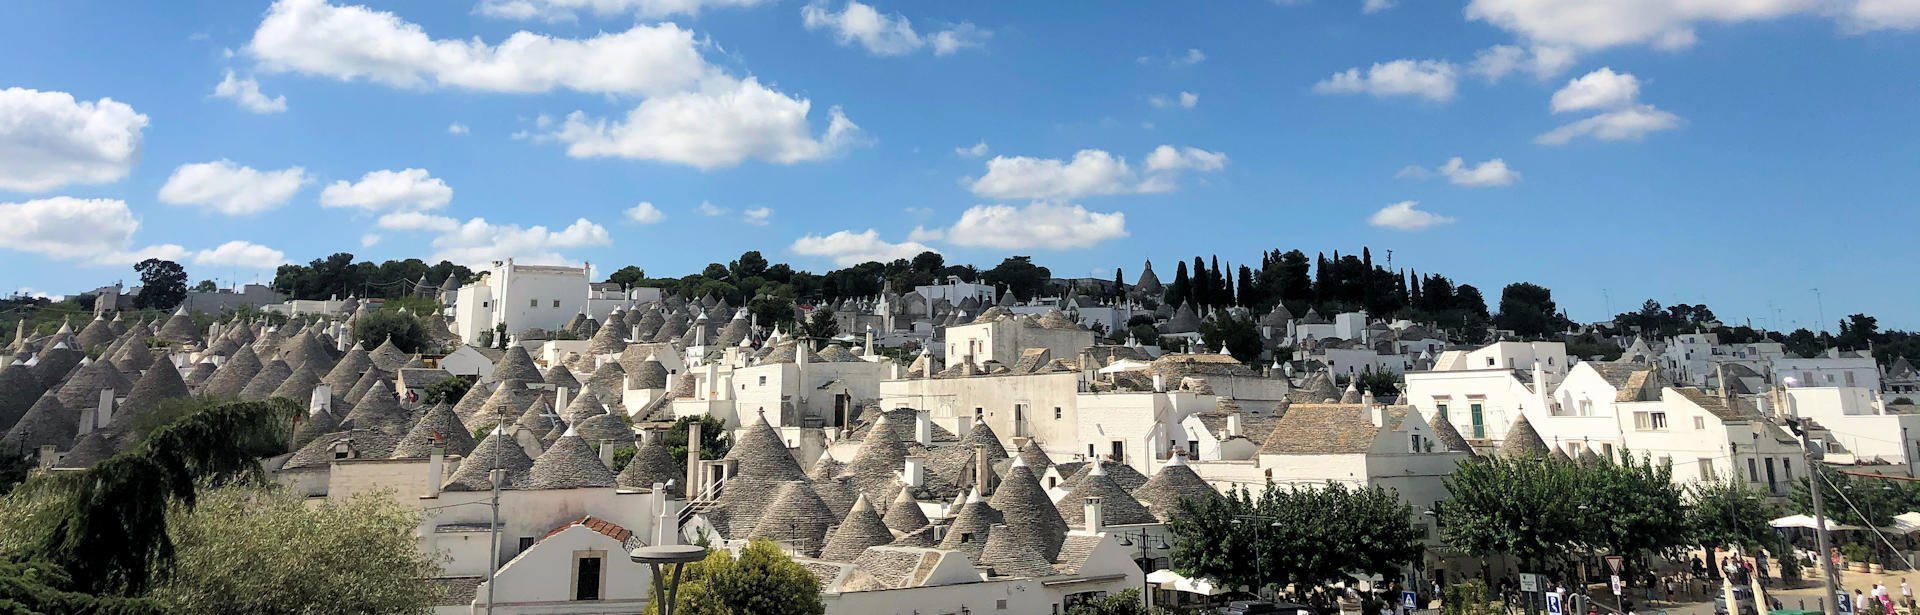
(205, 286)
(821, 326)
(714, 443)
(1546, 512)
(1019, 276)
(354, 556)
(1306, 537)
(1240, 336)
(107, 526)
(750, 265)
(627, 277)
(163, 284)
(30, 586)
(405, 329)
(1725, 512)
(762, 581)
(1528, 310)
(1123, 603)
(448, 391)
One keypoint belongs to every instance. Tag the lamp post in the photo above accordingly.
(666, 592)
(1259, 567)
(1147, 540)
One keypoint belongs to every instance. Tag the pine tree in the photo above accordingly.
(1178, 292)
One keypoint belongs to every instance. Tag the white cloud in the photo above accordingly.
(972, 151)
(1625, 124)
(1091, 172)
(241, 254)
(386, 189)
(477, 241)
(1493, 172)
(417, 221)
(921, 233)
(1587, 25)
(49, 140)
(1184, 100)
(96, 231)
(246, 93)
(369, 240)
(163, 251)
(1496, 62)
(849, 248)
(709, 130)
(886, 35)
(28, 291)
(1170, 158)
(355, 42)
(1038, 225)
(231, 189)
(1600, 89)
(1430, 79)
(457, 128)
(1370, 7)
(707, 208)
(1403, 216)
(757, 216)
(645, 213)
(564, 10)
(1190, 58)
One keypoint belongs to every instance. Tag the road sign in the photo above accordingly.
(1553, 604)
(1616, 585)
(1409, 601)
(1842, 603)
(1614, 563)
(1529, 582)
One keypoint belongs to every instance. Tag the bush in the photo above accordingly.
(406, 331)
(448, 391)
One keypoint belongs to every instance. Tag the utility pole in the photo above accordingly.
(1814, 487)
(1820, 305)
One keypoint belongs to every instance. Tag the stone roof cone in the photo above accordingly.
(968, 534)
(233, 375)
(515, 364)
(1175, 481)
(764, 464)
(1121, 507)
(1523, 442)
(263, 383)
(904, 515)
(1007, 556)
(496, 450)
(569, 464)
(1037, 522)
(347, 371)
(861, 528)
(437, 421)
(378, 410)
(160, 383)
(797, 517)
(652, 463)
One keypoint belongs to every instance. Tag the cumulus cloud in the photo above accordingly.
(1496, 62)
(645, 213)
(1039, 225)
(1370, 7)
(95, 231)
(849, 248)
(565, 10)
(1189, 57)
(456, 128)
(710, 130)
(1184, 100)
(707, 208)
(1433, 80)
(1626, 124)
(1403, 216)
(1587, 25)
(406, 189)
(241, 254)
(1091, 172)
(477, 242)
(49, 140)
(1600, 89)
(417, 221)
(921, 233)
(369, 240)
(882, 34)
(972, 151)
(757, 216)
(231, 189)
(246, 93)
(1493, 172)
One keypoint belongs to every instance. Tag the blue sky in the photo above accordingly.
(1736, 152)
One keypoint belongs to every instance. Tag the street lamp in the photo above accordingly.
(1146, 541)
(1259, 567)
(666, 592)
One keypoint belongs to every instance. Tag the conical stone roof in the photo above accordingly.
(438, 420)
(1523, 442)
(263, 383)
(179, 328)
(797, 518)
(1449, 436)
(90, 449)
(1007, 556)
(160, 383)
(45, 423)
(569, 464)
(497, 450)
(1035, 457)
(306, 349)
(968, 533)
(233, 375)
(313, 424)
(388, 356)
(19, 389)
(347, 371)
(763, 464)
(82, 391)
(298, 387)
(605, 430)
(874, 463)
(860, 528)
(1121, 508)
(378, 410)
(607, 381)
(515, 364)
(96, 334)
(508, 401)
(200, 373)
(1175, 480)
(904, 514)
(1122, 474)
(560, 377)
(582, 406)
(611, 337)
(56, 363)
(834, 486)
(652, 463)
(1037, 524)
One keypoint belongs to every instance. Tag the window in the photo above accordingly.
(1119, 451)
(556, 304)
(1786, 468)
(1706, 468)
(1650, 421)
(1849, 378)
(1056, 413)
(486, 304)
(979, 413)
(1479, 422)
(1699, 422)
(763, 381)
(1753, 471)
(1440, 410)
(1000, 604)
(966, 537)
(1490, 362)
(1090, 451)
(526, 542)
(1606, 450)
(1772, 486)
(1193, 449)
(586, 578)
(1413, 443)
(534, 303)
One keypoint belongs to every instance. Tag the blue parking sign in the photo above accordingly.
(1553, 604)
(1409, 601)
(1842, 603)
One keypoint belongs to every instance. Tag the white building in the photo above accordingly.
(521, 296)
(1000, 336)
(954, 291)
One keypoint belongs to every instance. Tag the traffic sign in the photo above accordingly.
(1616, 585)
(1553, 604)
(1615, 562)
(1529, 582)
(1842, 603)
(1409, 601)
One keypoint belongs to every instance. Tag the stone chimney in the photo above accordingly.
(693, 460)
(1095, 515)
(1233, 424)
(436, 467)
(980, 469)
(922, 428)
(916, 470)
(560, 398)
(103, 412)
(1159, 384)
(606, 453)
(321, 400)
(49, 455)
(1377, 414)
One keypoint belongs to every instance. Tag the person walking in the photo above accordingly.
(1906, 592)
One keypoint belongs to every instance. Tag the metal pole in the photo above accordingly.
(494, 534)
(1820, 529)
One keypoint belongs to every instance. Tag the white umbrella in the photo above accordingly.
(1168, 579)
(1903, 524)
(1806, 523)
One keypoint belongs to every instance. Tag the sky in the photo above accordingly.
(1740, 153)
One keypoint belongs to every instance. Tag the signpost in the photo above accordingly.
(1409, 601)
(1553, 604)
(1614, 564)
(1529, 582)
(1843, 603)
(1615, 584)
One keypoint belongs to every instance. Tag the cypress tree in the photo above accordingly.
(1177, 292)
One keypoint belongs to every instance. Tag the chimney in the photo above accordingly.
(869, 347)
(436, 467)
(49, 454)
(1233, 424)
(1096, 513)
(916, 470)
(606, 453)
(321, 400)
(693, 460)
(1366, 397)
(1378, 414)
(922, 428)
(663, 524)
(980, 469)
(104, 411)
(560, 398)
(634, 333)
(1159, 384)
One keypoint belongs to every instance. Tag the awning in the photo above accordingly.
(1806, 523)
(1168, 579)
(1903, 524)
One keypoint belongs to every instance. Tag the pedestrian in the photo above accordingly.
(1879, 590)
(1669, 583)
(1906, 592)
